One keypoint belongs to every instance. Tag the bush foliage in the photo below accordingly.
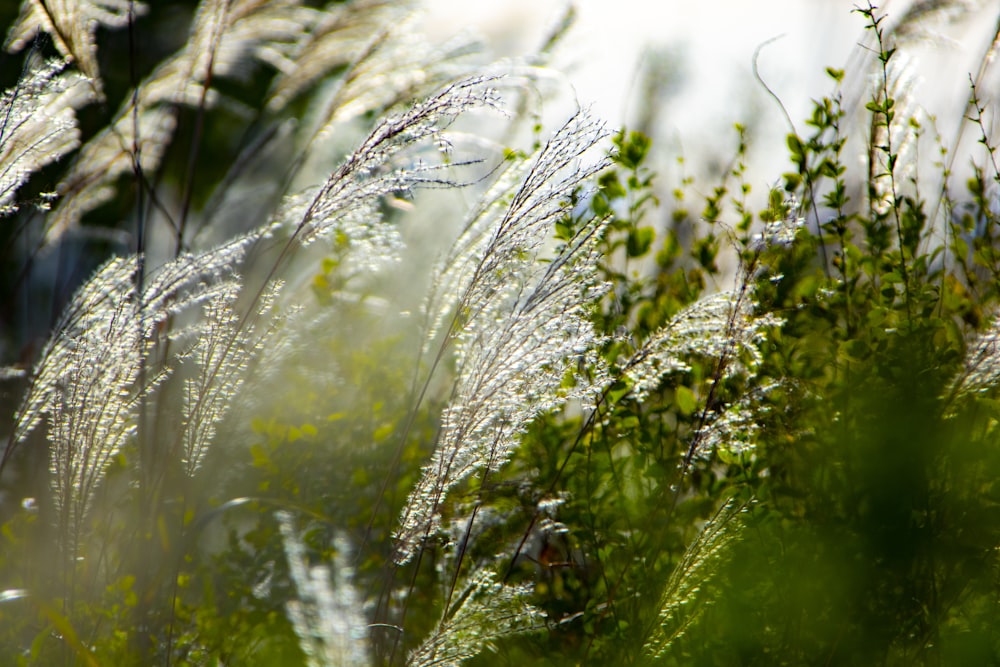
(612, 421)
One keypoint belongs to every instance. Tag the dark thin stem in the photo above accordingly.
(195, 152)
(810, 185)
(584, 430)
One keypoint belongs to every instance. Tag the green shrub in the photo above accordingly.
(597, 429)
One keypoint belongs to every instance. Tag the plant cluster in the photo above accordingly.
(597, 428)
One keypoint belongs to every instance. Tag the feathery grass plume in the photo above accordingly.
(38, 124)
(721, 326)
(248, 32)
(225, 347)
(504, 230)
(91, 312)
(327, 615)
(340, 37)
(351, 195)
(485, 611)
(85, 381)
(919, 21)
(399, 64)
(92, 407)
(454, 272)
(192, 278)
(981, 368)
(521, 328)
(685, 596)
(471, 527)
(90, 182)
(733, 431)
(385, 62)
(72, 25)
(226, 39)
(361, 242)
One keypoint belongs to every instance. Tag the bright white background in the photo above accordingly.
(710, 44)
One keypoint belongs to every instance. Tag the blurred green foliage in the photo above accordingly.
(867, 527)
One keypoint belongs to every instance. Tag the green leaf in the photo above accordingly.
(610, 186)
(686, 401)
(796, 148)
(639, 241)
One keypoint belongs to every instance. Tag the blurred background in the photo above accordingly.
(683, 71)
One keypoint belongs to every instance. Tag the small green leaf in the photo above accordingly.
(610, 186)
(639, 241)
(686, 401)
(795, 146)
